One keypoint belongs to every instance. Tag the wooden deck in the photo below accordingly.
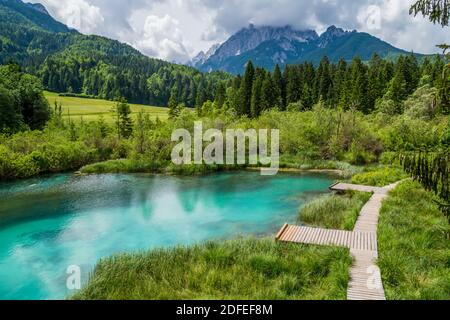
(327, 237)
(355, 187)
(365, 276)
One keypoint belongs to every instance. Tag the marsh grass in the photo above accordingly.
(379, 176)
(334, 211)
(238, 269)
(414, 245)
(140, 166)
(295, 162)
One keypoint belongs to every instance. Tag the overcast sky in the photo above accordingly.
(176, 30)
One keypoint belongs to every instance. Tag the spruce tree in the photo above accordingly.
(245, 92)
(221, 95)
(269, 98)
(173, 105)
(260, 75)
(123, 119)
(279, 87)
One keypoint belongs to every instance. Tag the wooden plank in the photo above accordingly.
(280, 233)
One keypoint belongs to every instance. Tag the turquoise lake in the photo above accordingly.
(48, 224)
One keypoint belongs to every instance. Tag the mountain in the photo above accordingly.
(267, 46)
(70, 62)
(202, 57)
(31, 15)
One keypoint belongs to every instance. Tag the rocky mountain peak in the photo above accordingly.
(330, 35)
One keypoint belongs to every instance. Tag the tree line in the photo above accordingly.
(355, 85)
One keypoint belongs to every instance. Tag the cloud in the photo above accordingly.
(194, 25)
(163, 38)
(77, 14)
(387, 19)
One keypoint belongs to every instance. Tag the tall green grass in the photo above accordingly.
(334, 211)
(414, 245)
(141, 166)
(240, 269)
(379, 176)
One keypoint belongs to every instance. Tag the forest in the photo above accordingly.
(379, 85)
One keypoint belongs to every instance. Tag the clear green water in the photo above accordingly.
(48, 224)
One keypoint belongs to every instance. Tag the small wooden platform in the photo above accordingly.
(355, 187)
(327, 237)
(365, 276)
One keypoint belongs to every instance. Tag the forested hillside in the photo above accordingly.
(380, 85)
(68, 61)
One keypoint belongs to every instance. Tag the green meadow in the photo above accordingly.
(86, 109)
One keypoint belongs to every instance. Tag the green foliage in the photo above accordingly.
(379, 177)
(438, 11)
(22, 101)
(423, 103)
(240, 269)
(124, 123)
(414, 249)
(380, 85)
(334, 211)
(432, 170)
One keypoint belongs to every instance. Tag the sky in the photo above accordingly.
(177, 30)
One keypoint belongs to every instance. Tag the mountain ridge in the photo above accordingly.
(285, 45)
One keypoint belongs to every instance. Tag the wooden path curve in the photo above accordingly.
(365, 276)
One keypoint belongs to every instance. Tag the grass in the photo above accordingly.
(379, 176)
(414, 246)
(241, 269)
(294, 162)
(91, 109)
(334, 211)
(139, 166)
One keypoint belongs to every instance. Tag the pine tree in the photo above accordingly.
(173, 105)
(279, 87)
(260, 75)
(124, 122)
(358, 93)
(221, 95)
(245, 92)
(269, 97)
(323, 81)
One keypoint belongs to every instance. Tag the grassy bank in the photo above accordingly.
(334, 211)
(240, 269)
(414, 245)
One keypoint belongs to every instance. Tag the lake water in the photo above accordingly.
(48, 224)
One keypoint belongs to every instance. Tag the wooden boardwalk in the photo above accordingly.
(365, 276)
(327, 237)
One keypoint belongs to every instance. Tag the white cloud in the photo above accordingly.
(77, 14)
(163, 38)
(194, 25)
